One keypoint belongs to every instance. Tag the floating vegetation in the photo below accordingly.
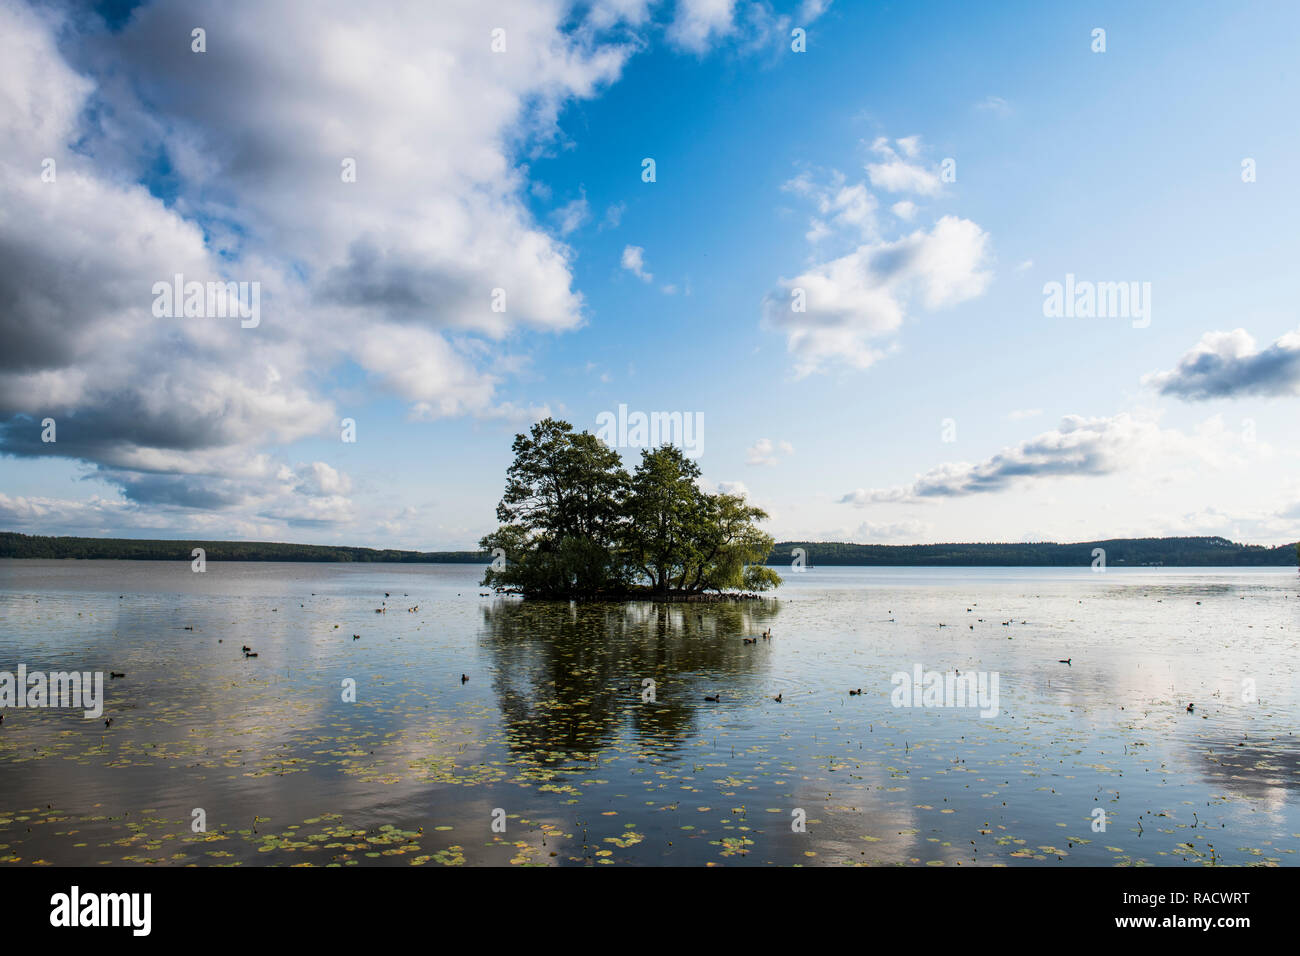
(552, 728)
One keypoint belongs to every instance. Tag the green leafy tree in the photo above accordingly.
(686, 540)
(574, 523)
(561, 514)
(667, 514)
(731, 550)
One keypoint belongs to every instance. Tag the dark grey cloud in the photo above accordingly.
(179, 491)
(1079, 447)
(1228, 365)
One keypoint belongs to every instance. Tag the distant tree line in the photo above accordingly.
(14, 545)
(1124, 552)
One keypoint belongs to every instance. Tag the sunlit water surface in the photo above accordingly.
(550, 736)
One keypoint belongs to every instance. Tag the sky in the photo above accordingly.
(917, 271)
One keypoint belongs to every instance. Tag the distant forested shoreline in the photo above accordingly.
(1122, 552)
(34, 546)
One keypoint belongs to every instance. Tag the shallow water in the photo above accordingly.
(551, 729)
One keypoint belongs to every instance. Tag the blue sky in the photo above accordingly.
(923, 396)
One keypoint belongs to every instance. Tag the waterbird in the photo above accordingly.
(245, 648)
(856, 693)
(1190, 707)
(108, 723)
(750, 640)
(715, 698)
(778, 697)
(464, 678)
(251, 654)
(356, 637)
(112, 674)
(1066, 661)
(379, 610)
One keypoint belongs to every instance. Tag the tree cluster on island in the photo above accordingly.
(576, 524)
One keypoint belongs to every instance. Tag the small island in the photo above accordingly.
(576, 525)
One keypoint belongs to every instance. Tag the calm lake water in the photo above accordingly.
(550, 735)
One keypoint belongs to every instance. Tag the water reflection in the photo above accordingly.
(571, 677)
(551, 725)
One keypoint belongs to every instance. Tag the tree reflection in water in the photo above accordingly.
(569, 676)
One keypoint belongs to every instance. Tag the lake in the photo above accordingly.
(555, 750)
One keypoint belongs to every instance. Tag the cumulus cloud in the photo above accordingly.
(852, 301)
(698, 23)
(712, 487)
(751, 25)
(895, 172)
(1230, 365)
(1079, 447)
(234, 164)
(840, 205)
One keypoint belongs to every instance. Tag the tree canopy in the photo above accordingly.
(575, 523)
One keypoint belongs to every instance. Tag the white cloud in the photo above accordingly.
(613, 215)
(634, 262)
(910, 145)
(749, 25)
(699, 23)
(810, 10)
(394, 273)
(766, 452)
(896, 175)
(840, 205)
(571, 215)
(712, 487)
(904, 209)
(864, 296)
